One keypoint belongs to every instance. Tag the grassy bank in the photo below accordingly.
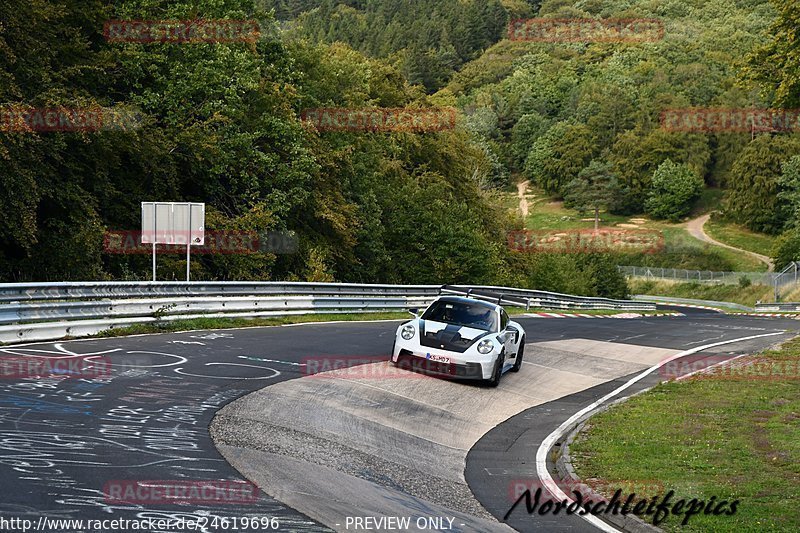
(168, 326)
(740, 237)
(598, 312)
(171, 326)
(684, 251)
(681, 250)
(701, 291)
(736, 439)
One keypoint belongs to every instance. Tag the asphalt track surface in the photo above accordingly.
(63, 439)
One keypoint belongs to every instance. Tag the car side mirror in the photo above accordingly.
(414, 311)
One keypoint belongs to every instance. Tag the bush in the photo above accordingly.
(744, 282)
(787, 249)
(579, 274)
(674, 189)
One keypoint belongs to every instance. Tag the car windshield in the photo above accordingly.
(462, 314)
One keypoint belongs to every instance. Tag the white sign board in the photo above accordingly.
(173, 223)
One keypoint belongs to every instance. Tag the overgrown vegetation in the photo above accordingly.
(740, 293)
(171, 326)
(740, 237)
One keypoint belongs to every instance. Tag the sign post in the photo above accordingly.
(173, 223)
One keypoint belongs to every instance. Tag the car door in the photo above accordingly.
(508, 334)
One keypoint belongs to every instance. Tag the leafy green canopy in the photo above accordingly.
(430, 39)
(675, 188)
(221, 125)
(558, 106)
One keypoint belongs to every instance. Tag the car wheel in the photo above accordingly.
(520, 354)
(497, 373)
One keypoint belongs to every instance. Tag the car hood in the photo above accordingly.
(451, 337)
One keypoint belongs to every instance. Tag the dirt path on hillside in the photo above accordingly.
(695, 228)
(522, 191)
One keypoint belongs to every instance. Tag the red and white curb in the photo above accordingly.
(693, 306)
(584, 315)
(780, 315)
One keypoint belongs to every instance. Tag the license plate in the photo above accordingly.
(438, 358)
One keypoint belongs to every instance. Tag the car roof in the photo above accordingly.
(471, 301)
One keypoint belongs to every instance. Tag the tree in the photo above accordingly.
(525, 132)
(777, 64)
(558, 156)
(637, 154)
(786, 249)
(673, 191)
(753, 199)
(789, 183)
(594, 188)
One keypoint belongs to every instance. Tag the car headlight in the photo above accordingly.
(407, 332)
(485, 346)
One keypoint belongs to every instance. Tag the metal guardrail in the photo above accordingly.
(18, 292)
(786, 306)
(40, 311)
(550, 300)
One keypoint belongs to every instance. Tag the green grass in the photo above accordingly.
(704, 256)
(549, 215)
(168, 326)
(740, 237)
(599, 312)
(736, 439)
(702, 291)
(681, 250)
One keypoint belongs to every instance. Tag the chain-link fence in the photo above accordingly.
(780, 281)
(707, 276)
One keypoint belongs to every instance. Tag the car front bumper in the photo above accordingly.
(409, 355)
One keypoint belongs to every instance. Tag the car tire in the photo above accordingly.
(520, 355)
(497, 373)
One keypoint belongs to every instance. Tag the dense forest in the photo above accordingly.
(428, 49)
(221, 124)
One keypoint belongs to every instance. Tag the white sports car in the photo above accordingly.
(461, 338)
